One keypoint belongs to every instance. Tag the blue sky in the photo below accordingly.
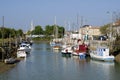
(18, 14)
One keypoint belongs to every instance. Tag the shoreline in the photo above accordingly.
(5, 67)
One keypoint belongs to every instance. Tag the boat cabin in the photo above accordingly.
(103, 51)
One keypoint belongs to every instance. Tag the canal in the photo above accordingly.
(43, 63)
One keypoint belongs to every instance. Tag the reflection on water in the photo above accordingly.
(103, 69)
(66, 55)
(55, 50)
(46, 64)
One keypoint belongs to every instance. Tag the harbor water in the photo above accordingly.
(44, 63)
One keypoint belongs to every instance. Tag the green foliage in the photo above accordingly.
(29, 32)
(49, 30)
(105, 29)
(38, 30)
(117, 43)
(19, 32)
(8, 32)
(61, 31)
(12, 32)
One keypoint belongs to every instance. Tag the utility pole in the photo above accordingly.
(2, 37)
(111, 30)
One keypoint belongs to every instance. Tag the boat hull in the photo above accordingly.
(75, 54)
(66, 51)
(21, 54)
(56, 47)
(10, 61)
(102, 58)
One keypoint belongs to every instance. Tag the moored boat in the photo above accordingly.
(56, 47)
(81, 50)
(21, 53)
(52, 43)
(25, 47)
(67, 50)
(10, 61)
(102, 53)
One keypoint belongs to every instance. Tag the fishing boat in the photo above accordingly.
(56, 47)
(10, 61)
(67, 50)
(80, 50)
(25, 47)
(102, 53)
(21, 53)
(52, 43)
(82, 55)
(55, 43)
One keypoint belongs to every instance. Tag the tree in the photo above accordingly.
(8, 32)
(5, 32)
(20, 32)
(105, 29)
(29, 32)
(49, 30)
(13, 32)
(38, 30)
(61, 31)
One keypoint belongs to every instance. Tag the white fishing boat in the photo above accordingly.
(67, 50)
(52, 43)
(102, 53)
(25, 47)
(57, 47)
(10, 61)
(21, 53)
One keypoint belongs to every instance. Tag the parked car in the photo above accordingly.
(102, 38)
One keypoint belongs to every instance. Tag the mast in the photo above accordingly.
(78, 26)
(56, 30)
(81, 32)
(32, 27)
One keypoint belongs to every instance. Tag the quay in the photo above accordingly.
(8, 50)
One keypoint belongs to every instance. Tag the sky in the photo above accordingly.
(19, 14)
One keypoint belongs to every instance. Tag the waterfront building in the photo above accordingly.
(88, 32)
(116, 28)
